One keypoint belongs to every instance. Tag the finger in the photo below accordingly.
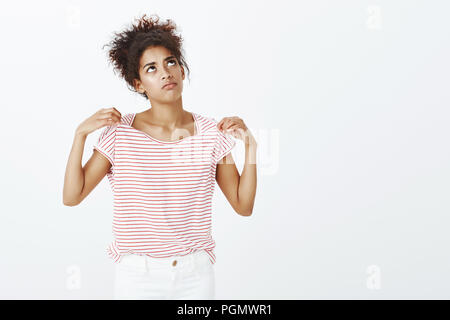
(111, 121)
(118, 113)
(228, 123)
(114, 111)
(236, 131)
(219, 125)
(111, 111)
(110, 118)
(232, 128)
(114, 114)
(223, 124)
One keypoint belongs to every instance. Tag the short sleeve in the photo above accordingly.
(224, 144)
(106, 142)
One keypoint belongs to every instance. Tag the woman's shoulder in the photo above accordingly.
(204, 117)
(207, 122)
(127, 118)
(111, 130)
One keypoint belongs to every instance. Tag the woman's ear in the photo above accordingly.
(137, 86)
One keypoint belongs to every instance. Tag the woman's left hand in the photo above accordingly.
(237, 128)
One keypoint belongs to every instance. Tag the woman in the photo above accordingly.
(162, 165)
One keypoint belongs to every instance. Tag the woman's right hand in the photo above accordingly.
(103, 117)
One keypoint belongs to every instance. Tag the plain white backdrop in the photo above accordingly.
(349, 102)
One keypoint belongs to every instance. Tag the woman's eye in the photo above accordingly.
(168, 62)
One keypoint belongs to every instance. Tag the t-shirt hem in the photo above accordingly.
(105, 154)
(117, 257)
(227, 151)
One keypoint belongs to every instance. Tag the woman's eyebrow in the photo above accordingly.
(151, 63)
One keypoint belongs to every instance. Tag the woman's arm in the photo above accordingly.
(79, 181)
(239, 190)
(74, 177)
(247, 181)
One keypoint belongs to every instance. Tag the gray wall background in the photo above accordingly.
(349, 102)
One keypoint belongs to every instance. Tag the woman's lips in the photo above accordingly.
(169, 86)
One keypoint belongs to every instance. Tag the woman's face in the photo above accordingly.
(157, 66)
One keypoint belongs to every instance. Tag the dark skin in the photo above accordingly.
(166, 120)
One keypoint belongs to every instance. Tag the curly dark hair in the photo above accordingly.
(128, 46)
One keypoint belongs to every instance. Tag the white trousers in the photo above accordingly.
(140, 277)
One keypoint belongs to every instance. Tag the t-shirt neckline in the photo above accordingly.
(196, 124)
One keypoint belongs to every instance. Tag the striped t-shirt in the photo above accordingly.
(162, 190)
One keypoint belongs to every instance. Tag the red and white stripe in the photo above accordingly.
(162, 189)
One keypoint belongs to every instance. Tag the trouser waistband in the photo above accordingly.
(176, 262)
